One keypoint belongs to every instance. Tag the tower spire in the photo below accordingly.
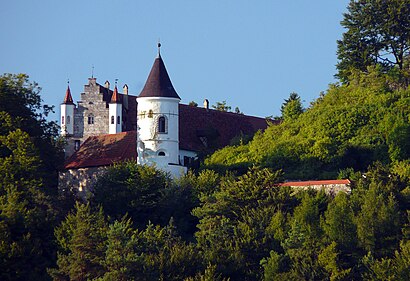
(68, 98)
(159, 48)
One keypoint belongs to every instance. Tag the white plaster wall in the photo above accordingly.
(153, 141)
(67, 110)
(115, 109)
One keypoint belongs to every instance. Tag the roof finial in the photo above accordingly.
(116, 80)
(159, 47)
(92, 71)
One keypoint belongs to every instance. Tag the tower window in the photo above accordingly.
(161, 153)
(62, 120)
(162, 125)
(118, 119)
(90, 119)
(68, 119)
(112, 120)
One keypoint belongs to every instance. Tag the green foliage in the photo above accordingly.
(292, 107)
(28, 179)
(128, 188)
(236, 229)
(376, 33)
(81, 240)
(351, 126)
(222, 106)
(193, 104)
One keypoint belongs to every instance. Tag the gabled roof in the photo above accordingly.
(104, 150)
(207, 129)
(68, 99)
(158, 83)
(311, 183)
(115, 98)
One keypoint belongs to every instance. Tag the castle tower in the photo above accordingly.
(115, 113)
(157, 120)
(67, 114)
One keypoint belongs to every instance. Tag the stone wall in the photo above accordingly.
(330, 189)
(80, 180)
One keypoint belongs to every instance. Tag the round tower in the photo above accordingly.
(115, 113)
(67, 114)
(158, 120)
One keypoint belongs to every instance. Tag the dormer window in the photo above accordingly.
(162, 125)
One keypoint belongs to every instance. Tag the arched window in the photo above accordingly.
(112, 119)
(68, 119)
(118, 119)
(162, 125)
(161, 153)
(62, 120)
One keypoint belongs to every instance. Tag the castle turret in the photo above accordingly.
(115, 113)
(67, 114)
(157, 120)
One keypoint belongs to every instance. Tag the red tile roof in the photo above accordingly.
(104, 150)
(218, 127)
(310, 183)
(158, 83)
(68, 99)
(115, 98)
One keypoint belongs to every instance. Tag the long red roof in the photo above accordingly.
(319, 182)
(217, 126)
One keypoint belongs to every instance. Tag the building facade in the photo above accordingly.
(168, 134)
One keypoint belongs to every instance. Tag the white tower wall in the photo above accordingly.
(67, 119)
(115, 109)
(161, 148)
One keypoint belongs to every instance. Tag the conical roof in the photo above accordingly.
(115, 96)
(158, 83)
(68, 99)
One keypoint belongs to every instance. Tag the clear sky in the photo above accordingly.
(252, 54)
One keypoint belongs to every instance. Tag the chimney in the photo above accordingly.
(107, 84)
(206, 104)
(125, 96)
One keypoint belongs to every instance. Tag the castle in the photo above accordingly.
(154, 128)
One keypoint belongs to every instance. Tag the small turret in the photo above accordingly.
(67, 114)
(115, 113)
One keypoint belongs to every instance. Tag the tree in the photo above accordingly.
(137, 190)
(378, 32)
(193, 104)
(292, 107)
(28, 181)
(222, 106)
(81, 239)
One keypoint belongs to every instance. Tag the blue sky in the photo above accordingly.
(252, 54)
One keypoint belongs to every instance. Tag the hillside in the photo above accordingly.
(350, 126)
